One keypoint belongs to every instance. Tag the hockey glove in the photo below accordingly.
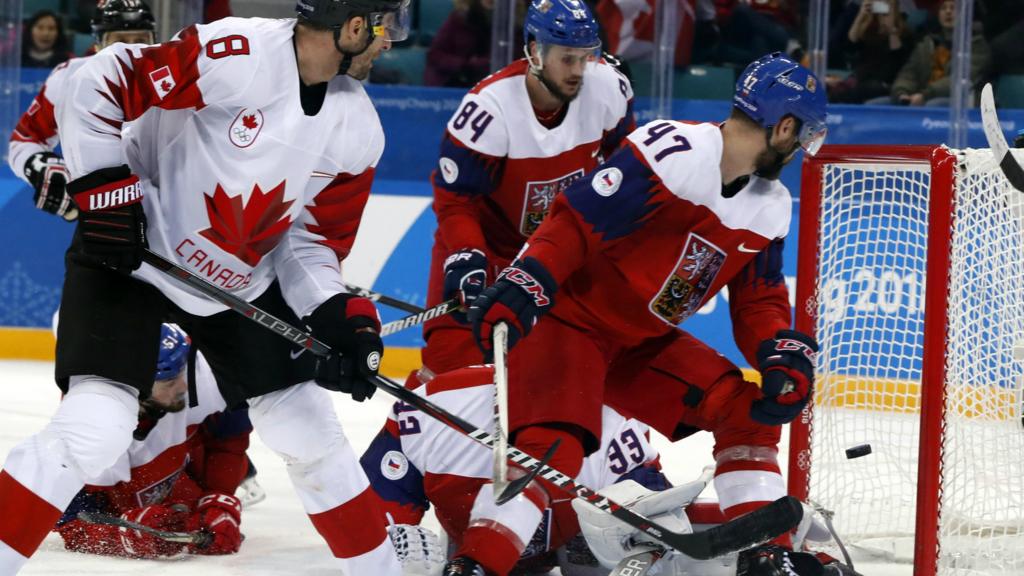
(522, 293)
(786, 363)
(465, 276)
(49, 178)
(350, 325)
(111, 221)
(769, 560)
(220, 515)
(141, 545)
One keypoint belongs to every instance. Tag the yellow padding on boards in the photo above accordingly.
(39, 344)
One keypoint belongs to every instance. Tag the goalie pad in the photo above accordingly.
(418, 550)
(612, 540)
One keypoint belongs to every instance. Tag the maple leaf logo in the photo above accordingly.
(166, 86)
(249, 121)
(248, 231)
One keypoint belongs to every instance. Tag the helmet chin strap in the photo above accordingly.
(348, 55)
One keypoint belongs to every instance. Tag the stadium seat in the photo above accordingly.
(408, 62)
(82, 43)
(433, 13)
(30, 7)
(704, 83)
(1010, 91)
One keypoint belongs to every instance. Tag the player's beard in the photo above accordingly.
(558, 92)
(770, 162)
(176, 405)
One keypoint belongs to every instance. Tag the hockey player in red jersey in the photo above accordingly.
(416, 462)
(179, 473)
(518, 138)
(629, 252)
(244, 151)
(31, 153)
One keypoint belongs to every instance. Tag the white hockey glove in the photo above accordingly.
(418, 549)
(611, 540)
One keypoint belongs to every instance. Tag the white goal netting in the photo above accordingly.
(869, 318)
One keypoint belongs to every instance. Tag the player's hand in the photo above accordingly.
(220, 515)
(141, 545)
(111, 221)
(49, 178)
(786, 363)
(350, 325)
(770, 559)
(465, 276)
(523, 293)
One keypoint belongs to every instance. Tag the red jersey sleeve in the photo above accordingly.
(759, 301)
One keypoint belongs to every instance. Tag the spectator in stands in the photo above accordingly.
(878, 42)
(753, 28)
(925, 78)
(1003, 21)
(44, 44)
(460, 54)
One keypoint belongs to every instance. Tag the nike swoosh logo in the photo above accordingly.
(296, 353)
(743, 248)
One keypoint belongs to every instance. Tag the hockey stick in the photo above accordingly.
(446, 307)
(499, 474)
(638, 564)
(997, 141)
(385, 300)
(200, 539)
(749, 530)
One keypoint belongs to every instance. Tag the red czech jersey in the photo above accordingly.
(643, 243)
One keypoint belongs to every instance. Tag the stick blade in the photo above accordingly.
(741, 533)
(519, 484)
(997, 140)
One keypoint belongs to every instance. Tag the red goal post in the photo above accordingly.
(911, 275)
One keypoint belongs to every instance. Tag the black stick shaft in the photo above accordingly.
(384, 299)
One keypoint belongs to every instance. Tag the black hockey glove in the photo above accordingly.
(111, 222)
(523, 293)
(786, 363)
(349, 324)
(770, 560)
(49, 178)
(465, 276)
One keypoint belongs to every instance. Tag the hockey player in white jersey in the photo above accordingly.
(415, 462)
(31, 152)
(244, 151)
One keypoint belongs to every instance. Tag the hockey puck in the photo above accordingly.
(858, 451)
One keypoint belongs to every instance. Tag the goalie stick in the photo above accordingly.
(749, 530)
(997, 141)
(199, 538)
(383, 299)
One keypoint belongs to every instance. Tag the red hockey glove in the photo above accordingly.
(350, 325)
(465, 275)
(786, 363)
(111, 222)
(141, 545)
(221, 516)
(49, 178)
(523, 293)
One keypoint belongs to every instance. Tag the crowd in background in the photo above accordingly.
(880, 51)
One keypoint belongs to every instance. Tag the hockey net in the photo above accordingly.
(911, 276)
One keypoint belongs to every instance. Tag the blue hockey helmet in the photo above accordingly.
(174, 345)
(562, 22)
(773, 86)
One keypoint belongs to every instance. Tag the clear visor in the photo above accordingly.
(566, 55)
(812, 136)
(392, 25)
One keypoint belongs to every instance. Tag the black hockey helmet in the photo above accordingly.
(114, 15)
(391, 16)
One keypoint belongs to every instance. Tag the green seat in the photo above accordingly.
(409, 63)
(30, 7)
(640, 77)
(1010, 91)
(704, 83)
(433, 13)
(82, 43)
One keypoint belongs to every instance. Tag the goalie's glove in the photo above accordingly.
(465, 277)
(111, 222)
(523, 293)
(49, 178)
(418, 550)
(786, 363)
(349, 324)
(770, 560)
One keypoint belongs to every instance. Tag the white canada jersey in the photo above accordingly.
(37, 128)
(160, 455)
(240, 185)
